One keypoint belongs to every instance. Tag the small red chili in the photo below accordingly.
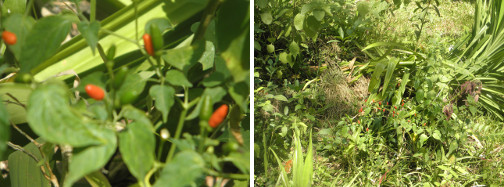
(395, 107)
(424, 124)
(95, 92)
(148, 44)
(358, 121)
(9, 37)
(387, 103)
(409, 121)
(402, 104)
(379, 103)
(367, 129)
(360, 110)
(383, 110)
(218, 116)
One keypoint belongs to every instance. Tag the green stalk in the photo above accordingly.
(93, 10)
(180, 124)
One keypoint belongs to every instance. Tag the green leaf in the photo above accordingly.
(164, 98)
(233, 36)
(266, 17)
(24, 170)
(436, 135)
(207, 59)
(137, 143)
(86, 160)
(132, 83)
(21, 26)
(312, 27)
(388, 75)
(51, 117)
(240, 94)
(13, 7)
(216, 94)
(319, 14)
(90, 32)
(285, 58)
(376, 77)
(280, 98)
(294, 49)
(4, 129)
(423, 138)
(43, 41)
(177, 78)
(185, 168)
(419, 95)
(182, 58)
(299, 21)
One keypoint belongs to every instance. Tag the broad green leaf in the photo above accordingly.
(308, 165)
(164, 98)
(423, 138)
(436, 135)
(13, 7)
(312, 27)
(183, 170)
(4, 129)
(284, 58)
(90, 32)
(294, 49)
(43, 41)
(280, 98)
(177, 78)
(86, 160)
(214, 79)
(376, 77)
(319, 14)
(216, 94)
(240, 160)
(132, 83)
(24, 170)
(233, 36)
(266, 17)
(388, 75)
(419, 95)
(207, 59)
(299, 21)
(21, 26)
(50, 116)
(182, 58)
(137, 136)
(240, 94)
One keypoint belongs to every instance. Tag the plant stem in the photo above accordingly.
(93, 11)
(205, 20)
(180, 124)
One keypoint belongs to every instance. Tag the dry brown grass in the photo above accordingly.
(342, 97)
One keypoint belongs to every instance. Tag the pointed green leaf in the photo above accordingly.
(177, 78)
(89, 159)
(266, 17)
(43, 41)
(299, 21)
(376, 77)
(137, 136)
(164, 98)
(13, 7)
(182, 171)
(388, 75)
(216, 94)
(90, 32)
(207, 59)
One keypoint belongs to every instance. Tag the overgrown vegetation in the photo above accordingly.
(400, 93)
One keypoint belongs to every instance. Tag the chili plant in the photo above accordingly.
(134, 108)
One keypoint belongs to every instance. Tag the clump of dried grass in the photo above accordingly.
(341, 97)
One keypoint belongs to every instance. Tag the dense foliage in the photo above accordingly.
(148, 93)
(389, 102)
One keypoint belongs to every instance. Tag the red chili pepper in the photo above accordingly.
(379, 103)
(95, 92)
(360, 110)
(9, 37)
(373, 101)
(387, 102)
(424, 124)
(367, 129)
(148, 44)
(409, 121)
(395, 107)
(415, 114)
(392, 115)
(218, 116)
(383, 110)
(358, 121)
(402, 104)
(365, 100)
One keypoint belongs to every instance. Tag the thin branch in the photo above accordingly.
(26, 135)
(15, 99)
